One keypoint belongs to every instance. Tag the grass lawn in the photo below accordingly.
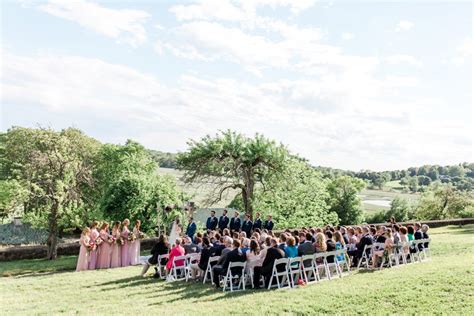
(442, 285)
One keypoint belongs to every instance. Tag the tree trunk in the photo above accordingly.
(247, 194)
(52, 242)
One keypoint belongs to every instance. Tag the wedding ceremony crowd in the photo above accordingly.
(255, 243)
(102, 248)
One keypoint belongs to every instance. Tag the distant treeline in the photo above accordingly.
(413, 179)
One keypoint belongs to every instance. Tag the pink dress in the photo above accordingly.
(83, 259)
(105, 249)
(175, 252)
(115, 261)
(125, 250)
(135, 248)
(93, 253)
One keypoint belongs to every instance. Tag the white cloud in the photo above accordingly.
(404, 25)
(463, 52)
(403, 59)
(326, 119)
(124, 25)
(347, 36)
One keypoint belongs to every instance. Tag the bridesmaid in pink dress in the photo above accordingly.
(135, 245)
(125, 251)
(115, 261)
(105, 248)
(93, 253)
(83, 259)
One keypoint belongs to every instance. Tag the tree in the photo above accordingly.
(12, 197)
(413, 184)
(443, 201)
(56, 167)
(456, 171)
(400, 209)
(232, 161)
(424, 180)
(343, 199)
(295, 198)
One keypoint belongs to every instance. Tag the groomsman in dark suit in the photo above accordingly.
(235, 223)
(257, 223)
(191, 229)
(268, 225)
(211, 222)
(223, 221)
(247, 225)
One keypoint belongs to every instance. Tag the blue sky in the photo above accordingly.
(347, 84)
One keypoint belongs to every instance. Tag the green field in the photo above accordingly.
(442, 285)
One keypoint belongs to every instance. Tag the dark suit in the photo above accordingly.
(223, 222)
(380, 239)
(426, 236)
(357, 254)
(267, 266)
(217, 248)
(330, 246)
(268, 225)
(257, 224)
(191, 230)
(158, 249)
(418, 236)
(235, 255)
(234, 224)
(211, 223)
(247, 228)
(204, 260)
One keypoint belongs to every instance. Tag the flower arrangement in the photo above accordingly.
(111, 239)
(131, 237)
(91, 246)
(119, 241)
(98, 241)
(141, 235)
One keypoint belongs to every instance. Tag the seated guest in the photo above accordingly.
(273, 253)
(247, 225)
(320, 243)
(290, 250)
(263, 249)
(176, 251)
(189, 246)
(245, 245)
(365, 240)
(345, 236)
(253, 255)
(418, 235)
(351, 245)
(306, 248)
(198, 268)
(211, 223)
(235, 255)
(226, 232)
(282, 244)
(424, 230)
(380, 237)
(235, 223)
(404, 238)
(160, 248)
(340, 244)
(396, 234)
(411, 233)
(388, 247)
(330, 245)
(268, 225)
(227, 248)
(257, 223)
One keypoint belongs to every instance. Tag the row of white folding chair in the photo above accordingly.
(212, 261)
(230, 276)
(161, 267)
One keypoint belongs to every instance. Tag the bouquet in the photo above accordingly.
(141, 235)
(119, 241)
(111, 239)
(91, 246)
(131, 237)
(98, 241)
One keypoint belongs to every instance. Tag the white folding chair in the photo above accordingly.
(208, 271)
(230, 277)
(319, 265)
(378, 246)
(294, 270)
(416, 255)
(403, 251)
(342, 259)
(366, 255)
(426, 249)
(308, 269)
(160, 267)
(191, 258)
(181, 268)
(283, 264)
(330, 265)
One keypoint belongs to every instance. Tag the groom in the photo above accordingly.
(191, 229)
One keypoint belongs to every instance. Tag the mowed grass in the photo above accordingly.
(442, 285)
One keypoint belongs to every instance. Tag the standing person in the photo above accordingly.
(83, 259)
(211, 222)
(94, 235)
(235, 223)
(125, 250)
(257, 223)
(268, 225)
(135, 244)
(191, 229)
(175, 231)
(247, 225)
(115, 260)
(105, 247)
(223, 221)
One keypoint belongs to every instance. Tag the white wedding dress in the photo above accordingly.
(174, 234)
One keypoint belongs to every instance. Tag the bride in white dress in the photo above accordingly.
(175, 232)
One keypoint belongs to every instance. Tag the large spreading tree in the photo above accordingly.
(56, 169)
(232, 161)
